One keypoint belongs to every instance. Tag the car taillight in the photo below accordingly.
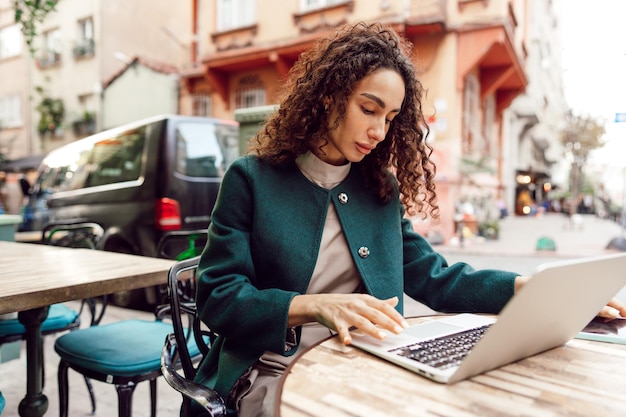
(167, 214)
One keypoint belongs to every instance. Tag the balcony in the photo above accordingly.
(84, 49)
(48, 59)
(85, 125)
(425, 16)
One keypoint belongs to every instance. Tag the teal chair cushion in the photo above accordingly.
(59, 317)
(124, 348)
(1, 402)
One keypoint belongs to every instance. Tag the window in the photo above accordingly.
(308, 5)
(202, 105)
(87, 102)
(232, 14)
(85, 43)
(489, 124)
(250, 93)
(51, 53)
(90, 164)
(471, 113)
(10, 41)
(204, 150)
(10, 111)
(85, 123)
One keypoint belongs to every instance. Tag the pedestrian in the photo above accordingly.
(308, 236)
(3, 193)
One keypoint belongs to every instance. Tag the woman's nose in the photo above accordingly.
(378, 131)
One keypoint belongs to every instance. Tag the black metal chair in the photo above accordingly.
(62, 318)
(176, 351)
(81, 234)
(122, 353)
(180, 245)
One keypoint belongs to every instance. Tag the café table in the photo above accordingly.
(579, 378)
(34, 276)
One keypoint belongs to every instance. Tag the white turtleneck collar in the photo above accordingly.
(321, 173)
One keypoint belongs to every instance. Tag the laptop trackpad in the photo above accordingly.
(431, 329)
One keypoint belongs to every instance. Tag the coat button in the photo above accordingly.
(343, 198)
(364, 252)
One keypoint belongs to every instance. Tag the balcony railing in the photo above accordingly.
(49, 59)
(84, 49)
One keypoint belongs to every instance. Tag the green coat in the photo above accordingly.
(264, 239)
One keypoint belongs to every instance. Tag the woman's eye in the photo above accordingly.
(367, 111)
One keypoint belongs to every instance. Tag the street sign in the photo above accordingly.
(620, 117)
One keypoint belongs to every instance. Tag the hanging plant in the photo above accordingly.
(51, 113)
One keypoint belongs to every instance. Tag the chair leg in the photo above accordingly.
(153, 397)
(92, 394)
(125, 399)
(63, 389)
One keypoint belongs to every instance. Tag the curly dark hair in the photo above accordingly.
(330, 70)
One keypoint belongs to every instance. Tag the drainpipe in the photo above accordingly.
(194, 32)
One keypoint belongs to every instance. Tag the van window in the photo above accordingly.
(89, 164)
(116, 160)
(201, 149)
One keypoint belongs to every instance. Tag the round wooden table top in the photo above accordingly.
(580, 378)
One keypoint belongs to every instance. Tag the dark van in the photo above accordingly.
(138, 181)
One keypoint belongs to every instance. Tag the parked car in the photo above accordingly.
(138, 181)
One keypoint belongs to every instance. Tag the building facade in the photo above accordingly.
(494, 91)
(82, 46)
(472, 56)
(15, 81)
(533, 151)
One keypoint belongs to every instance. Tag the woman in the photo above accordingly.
(308, 236)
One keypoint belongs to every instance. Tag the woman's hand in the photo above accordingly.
(341, 312)
(613, 309)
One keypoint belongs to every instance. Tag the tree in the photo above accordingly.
(580, 136)
(29, 13)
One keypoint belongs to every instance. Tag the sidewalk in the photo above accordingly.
(520, 235)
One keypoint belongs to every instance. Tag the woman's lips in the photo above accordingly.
(364, 148)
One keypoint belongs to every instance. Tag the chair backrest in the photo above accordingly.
(73, 234)
(176, 353)
(181, 244)
(181, 287)
(78, 234)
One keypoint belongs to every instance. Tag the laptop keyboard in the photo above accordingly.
(445, 351)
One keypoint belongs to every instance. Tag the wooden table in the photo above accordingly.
(32, 277)
(580, 378)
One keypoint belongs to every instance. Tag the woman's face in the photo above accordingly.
(371, 107)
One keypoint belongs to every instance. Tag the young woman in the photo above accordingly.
(308, 237)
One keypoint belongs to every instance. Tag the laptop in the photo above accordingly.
(552, 307)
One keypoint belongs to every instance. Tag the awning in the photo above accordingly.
(22, 164)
